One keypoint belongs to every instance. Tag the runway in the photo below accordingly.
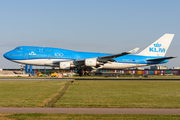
(91, 110)
(34, 79)
(81, 79)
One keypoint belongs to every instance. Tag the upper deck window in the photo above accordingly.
(48, 50)
(33, 49)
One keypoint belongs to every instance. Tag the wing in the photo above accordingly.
(109, 57)
(93, 62)
(105, 59)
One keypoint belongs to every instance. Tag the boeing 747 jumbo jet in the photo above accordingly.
(68, 59)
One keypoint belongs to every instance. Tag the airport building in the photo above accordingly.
(157, 67)
(109, 73)
(47, 71)
(154, 70)
(113, 73)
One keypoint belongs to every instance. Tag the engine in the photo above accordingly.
(64, 65)
(90, 62)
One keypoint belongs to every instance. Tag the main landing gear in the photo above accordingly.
(86, 73)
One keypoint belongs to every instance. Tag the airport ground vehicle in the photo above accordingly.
(54, 74)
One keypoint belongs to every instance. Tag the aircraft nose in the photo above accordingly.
(6, 55)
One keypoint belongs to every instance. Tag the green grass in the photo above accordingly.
(122, 94)
(28, 93)
(103, 94)
(41, 116)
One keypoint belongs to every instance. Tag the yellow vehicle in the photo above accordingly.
(54, 74)
(40, 74)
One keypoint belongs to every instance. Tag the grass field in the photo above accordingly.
(39, 116)
(110, 94)
(28, 93)
(122, 94)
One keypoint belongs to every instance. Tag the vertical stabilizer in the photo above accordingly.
(159, 47)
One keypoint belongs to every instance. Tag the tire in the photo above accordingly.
(89, 74)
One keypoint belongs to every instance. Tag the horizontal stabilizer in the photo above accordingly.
(160, 59)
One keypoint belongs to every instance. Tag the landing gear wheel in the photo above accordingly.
(80, 73)
(89, 74)
(85, 73)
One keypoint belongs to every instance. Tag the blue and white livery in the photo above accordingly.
(68, 59)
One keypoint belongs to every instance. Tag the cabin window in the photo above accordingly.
(33, 49)
(48, 50)
(13, 55)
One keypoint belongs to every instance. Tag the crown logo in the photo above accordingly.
(157, 45)
(32, 53)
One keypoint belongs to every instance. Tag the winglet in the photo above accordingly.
(134, 50)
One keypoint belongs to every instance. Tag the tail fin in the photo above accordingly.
(159, 47)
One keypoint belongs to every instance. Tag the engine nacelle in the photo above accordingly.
(90, 62)
(64, 65)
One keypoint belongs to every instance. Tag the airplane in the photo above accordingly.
(87, 61)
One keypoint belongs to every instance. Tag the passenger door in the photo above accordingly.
(26, 56)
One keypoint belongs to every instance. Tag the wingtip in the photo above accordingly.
(134, 50)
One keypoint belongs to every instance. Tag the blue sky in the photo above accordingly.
(112, 26)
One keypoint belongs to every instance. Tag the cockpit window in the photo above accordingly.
(17, 48)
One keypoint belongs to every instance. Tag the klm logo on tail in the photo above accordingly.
(157, 48)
